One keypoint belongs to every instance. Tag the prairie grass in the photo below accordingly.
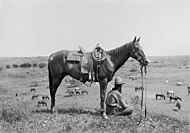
(79, 120)
(13, 111)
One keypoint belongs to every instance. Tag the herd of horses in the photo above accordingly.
(42, 102)
(169, 94)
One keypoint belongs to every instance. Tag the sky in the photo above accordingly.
(42, 27)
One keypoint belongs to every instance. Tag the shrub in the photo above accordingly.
(25, 65)
(1, 68)
(8, 66)
(15, 65)
(35, 64)
(41, 65)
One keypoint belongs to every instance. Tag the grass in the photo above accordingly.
(81, 113)
(16, 118)
(13, 112)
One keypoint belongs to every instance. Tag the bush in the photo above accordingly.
(15, 65)
(25, 65)
(1, 68)
(41, 65)
(35, 65)
(8, 66)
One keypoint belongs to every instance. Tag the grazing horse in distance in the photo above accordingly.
(161, 96)
(178, 105)
(34, 97)
(59, 67)
(139, 88)
(188, 89)
(170, 93)
(45, 97)
(84, 91)
(41, 103)
(179, 84)
(166, 81)
(33, 89)
(175, 98)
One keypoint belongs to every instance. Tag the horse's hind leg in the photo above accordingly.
(53, 85)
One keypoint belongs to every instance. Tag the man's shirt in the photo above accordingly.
(114, 98)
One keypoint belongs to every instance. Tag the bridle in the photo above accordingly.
(142, 94)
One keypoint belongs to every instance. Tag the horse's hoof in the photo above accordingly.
(54, 111)
(104, 116)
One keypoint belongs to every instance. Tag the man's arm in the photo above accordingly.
(121, 101)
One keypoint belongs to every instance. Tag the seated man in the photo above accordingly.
(115, 104)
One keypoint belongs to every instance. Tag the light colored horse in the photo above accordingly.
(179, 84)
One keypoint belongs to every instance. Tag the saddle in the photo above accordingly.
(88, 63)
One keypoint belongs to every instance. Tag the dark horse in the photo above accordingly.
(59, 67)
(161, 96)
(138, 88)
(175, 98)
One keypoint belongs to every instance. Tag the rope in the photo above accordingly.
(142, 94)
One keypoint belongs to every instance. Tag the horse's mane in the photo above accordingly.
(118, 51)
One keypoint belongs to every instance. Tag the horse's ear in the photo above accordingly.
(138, 39)
(134, 39)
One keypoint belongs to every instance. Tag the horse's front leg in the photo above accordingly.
(103, 87)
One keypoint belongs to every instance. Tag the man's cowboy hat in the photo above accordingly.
(118, 81)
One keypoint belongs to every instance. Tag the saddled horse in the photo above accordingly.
(161, 96)
(175, 98)
(59, 67)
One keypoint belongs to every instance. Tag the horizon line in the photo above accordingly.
(49, 55)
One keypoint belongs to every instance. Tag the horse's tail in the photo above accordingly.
(49, 75)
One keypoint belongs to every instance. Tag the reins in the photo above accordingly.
(142, 93)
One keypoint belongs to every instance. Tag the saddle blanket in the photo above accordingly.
(74, 56)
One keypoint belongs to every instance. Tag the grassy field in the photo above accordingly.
(80, 113)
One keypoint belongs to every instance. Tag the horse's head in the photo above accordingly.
(138, 53)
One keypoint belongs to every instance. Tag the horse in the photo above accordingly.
(42, 103)
(175, 98)
(34, 97)
(132, 78)
(84, 91)
(45, 97)
(161, 96)
(179, 84)
(32, 89)
(138, 88)
(188, 89)
(59, 67)
(166, 81)
(178, 105)
(170, 93)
